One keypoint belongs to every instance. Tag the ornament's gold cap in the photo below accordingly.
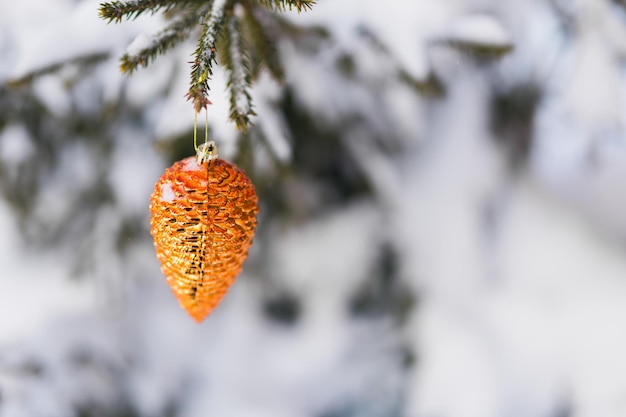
(206, 152)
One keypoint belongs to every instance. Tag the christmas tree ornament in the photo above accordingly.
(203, 216)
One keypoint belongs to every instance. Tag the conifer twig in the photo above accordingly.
(116, 10)
(205, 57)
(239, 79)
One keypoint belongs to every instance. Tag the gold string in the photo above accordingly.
(195, 128)
(207, 150)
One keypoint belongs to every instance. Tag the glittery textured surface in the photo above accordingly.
(202, 220)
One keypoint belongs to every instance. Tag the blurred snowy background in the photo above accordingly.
(443, 187)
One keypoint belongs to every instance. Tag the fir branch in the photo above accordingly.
(284, 5)
(251, 35)
(205, 56)
(239, 79)
(172, 35)
(256, 19)
(116, 10)
(83, 61)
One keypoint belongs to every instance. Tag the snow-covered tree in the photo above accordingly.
(442, 207)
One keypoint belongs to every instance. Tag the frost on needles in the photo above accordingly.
(239, 34)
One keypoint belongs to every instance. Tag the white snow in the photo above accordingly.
(52, 92)
(317, 268)
(16, 145)
(519, 279)
(141, 42)
(479, 29)
(217, 13)
(135, 168)
(56, 39)
(269, 121)
(167, 194)
(191, 165)
(35, 288)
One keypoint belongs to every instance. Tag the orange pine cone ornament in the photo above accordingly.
(203, 215)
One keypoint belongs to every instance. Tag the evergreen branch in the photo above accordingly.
(264, 47)
(237, 63)
(284, 5)
(116, 10)
(172, 35)
(81, 61)
(251, 36)
(205, 56)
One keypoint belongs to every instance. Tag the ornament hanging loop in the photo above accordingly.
(207, 151)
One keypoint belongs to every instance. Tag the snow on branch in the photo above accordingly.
(481, 35)
(145, 49)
